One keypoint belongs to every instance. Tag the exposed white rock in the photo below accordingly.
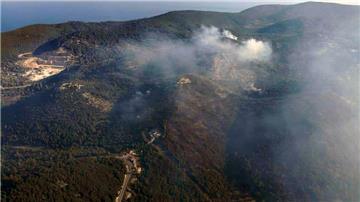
(183, 81)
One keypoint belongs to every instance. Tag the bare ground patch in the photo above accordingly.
(97, 102)
(37, 68)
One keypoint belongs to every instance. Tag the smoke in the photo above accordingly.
(211, 39)
(136, 108)
(255, 50)
(328, 103)
(210, 51)
(228, 34)
(305, 142)
(298, 144)
(300, 140)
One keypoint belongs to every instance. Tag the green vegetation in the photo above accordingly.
(80, 174)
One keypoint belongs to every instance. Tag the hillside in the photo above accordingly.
(256, 105)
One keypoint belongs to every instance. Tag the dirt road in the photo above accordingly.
(15, 87)
(121, 193)
(132, 166)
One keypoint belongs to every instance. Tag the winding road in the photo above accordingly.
(123, 187)
(130, 161)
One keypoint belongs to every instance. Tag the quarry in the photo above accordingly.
(40, 67)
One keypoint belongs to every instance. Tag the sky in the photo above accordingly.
(245, 1)
(16, 14)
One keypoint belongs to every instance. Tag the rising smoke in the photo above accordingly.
(328, 103)
(310, 138)
(306, 142)
(209, 50)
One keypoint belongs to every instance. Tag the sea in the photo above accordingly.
(16, 14)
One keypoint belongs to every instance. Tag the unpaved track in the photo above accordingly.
(130, 161)
(127, 178)
(15, 87)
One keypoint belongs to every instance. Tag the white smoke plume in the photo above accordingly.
(228, 34)
(210, 39)
(208, 49)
